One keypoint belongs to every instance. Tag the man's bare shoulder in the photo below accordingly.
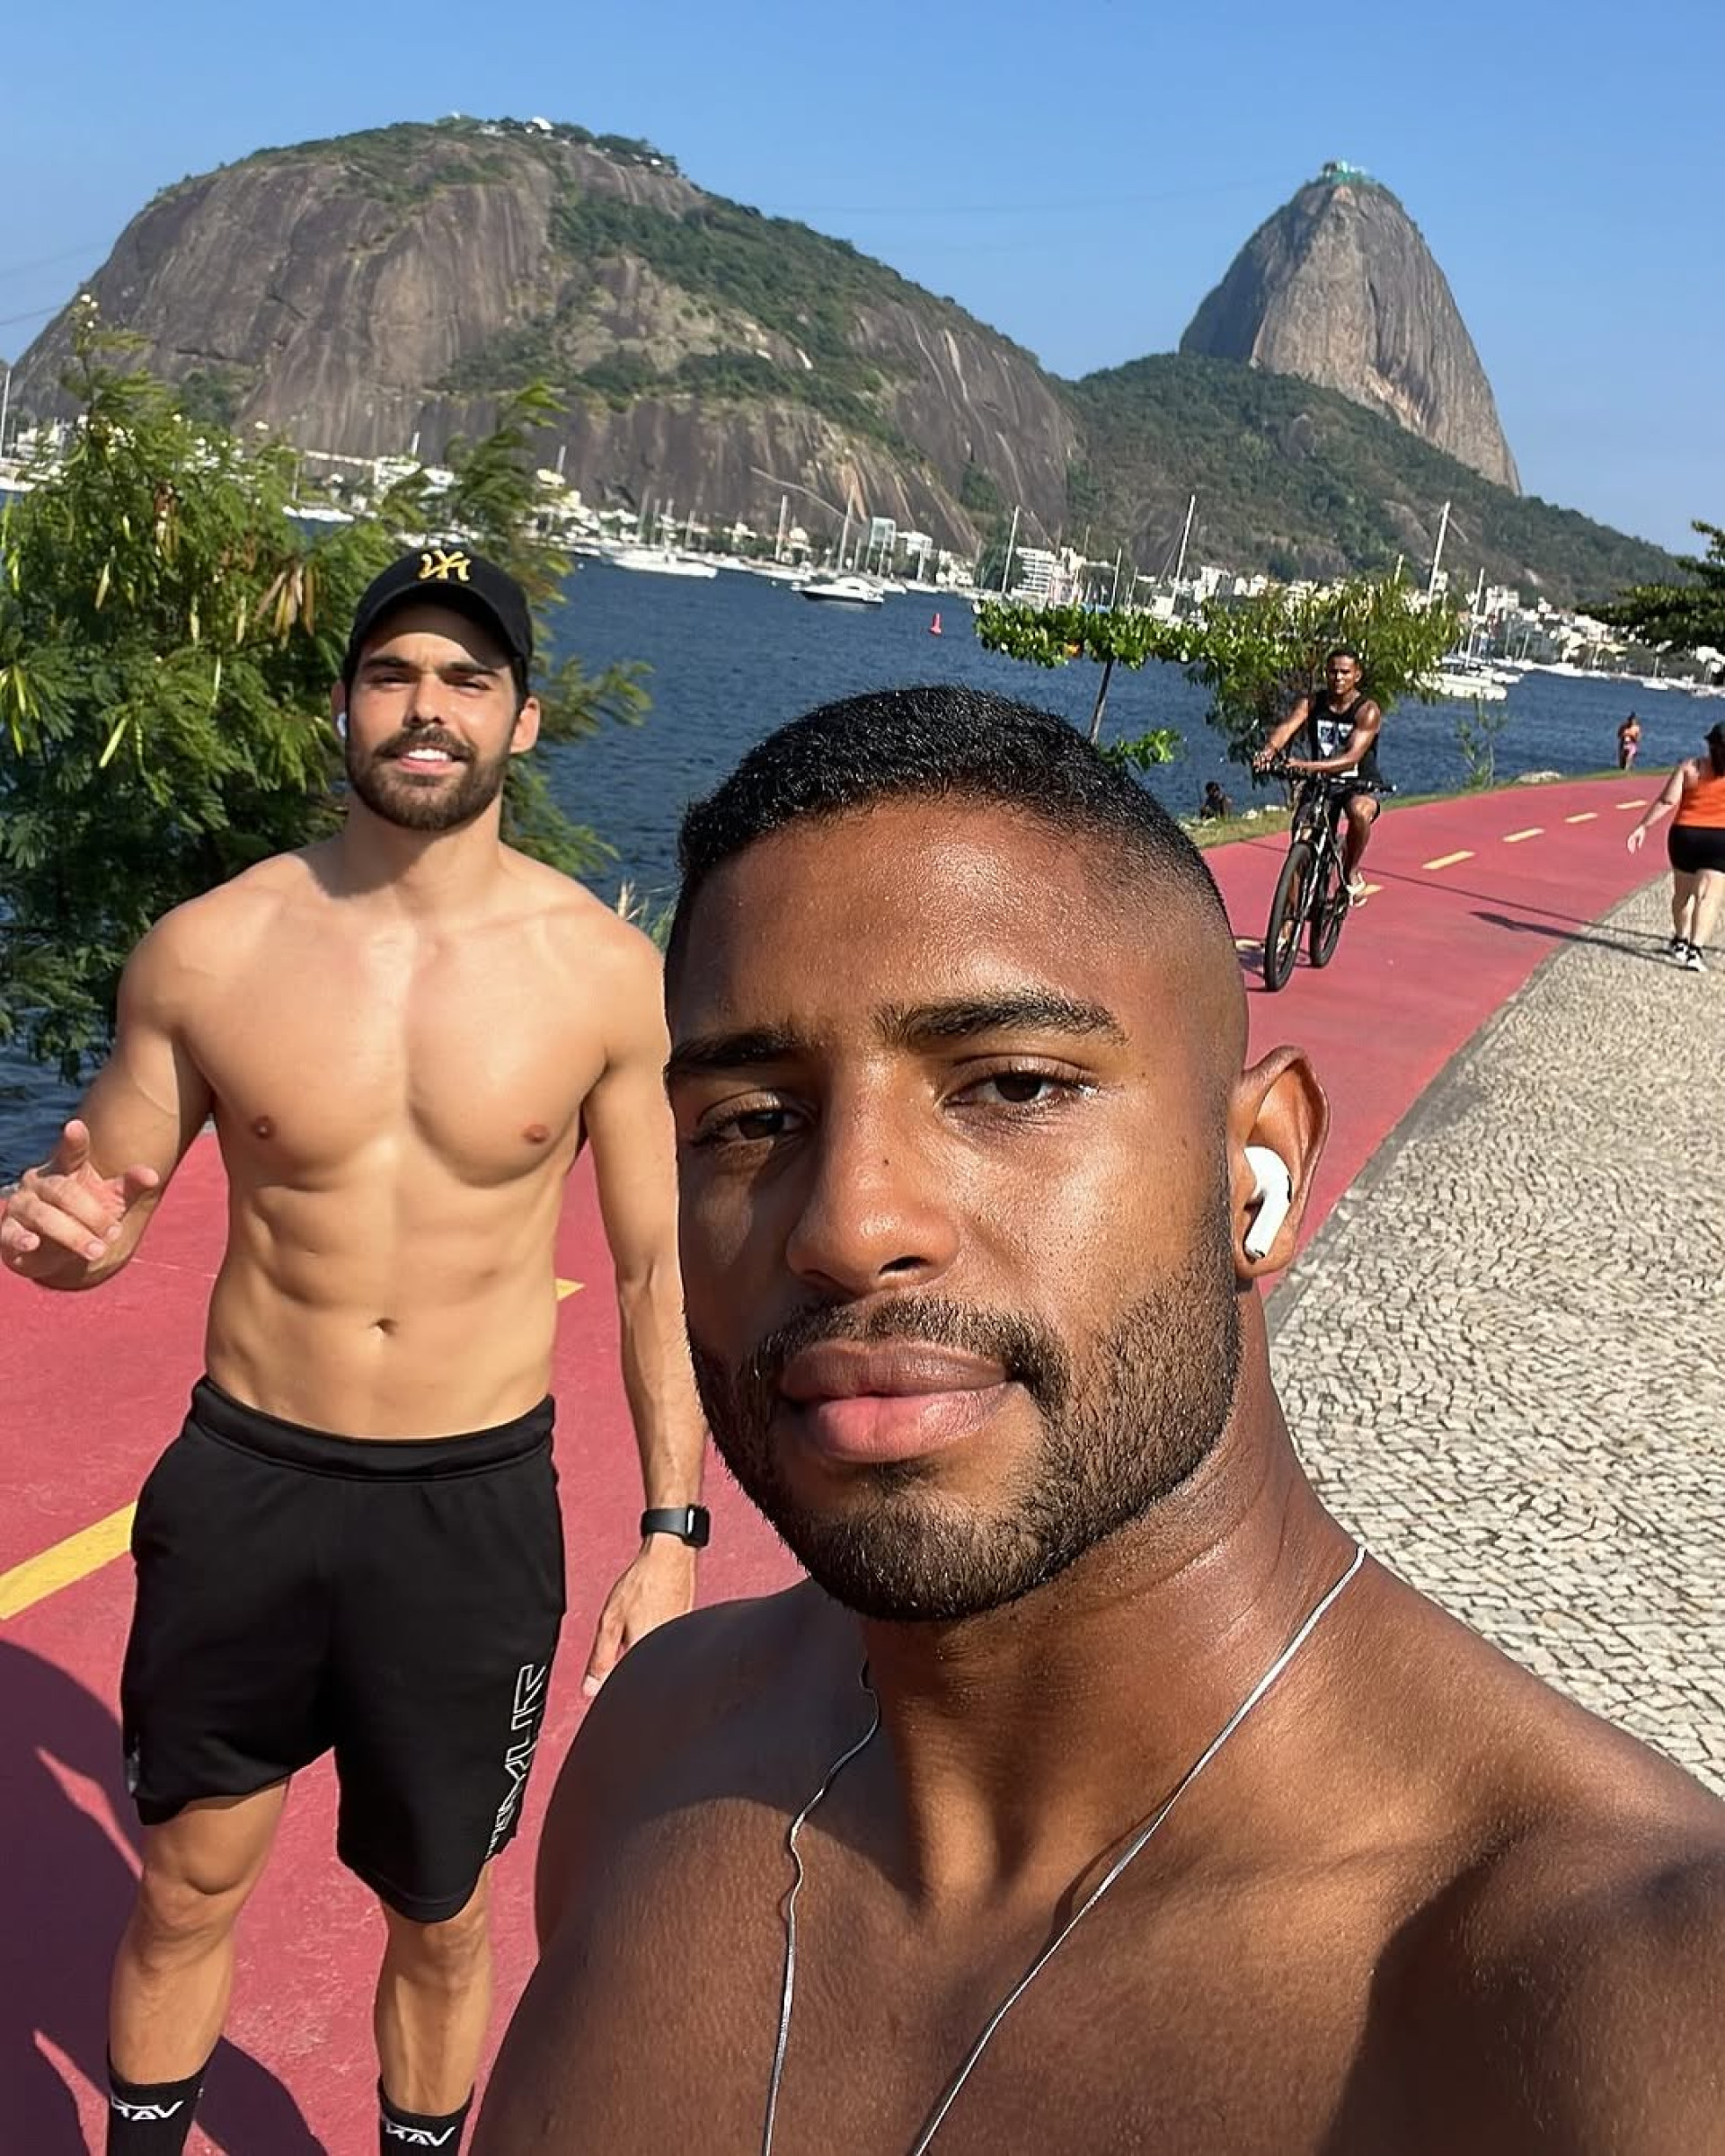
(210, 938)
(588, 932)
(714, 1671)
(726, 1700)
(1576, 1951)
(1584, 1973)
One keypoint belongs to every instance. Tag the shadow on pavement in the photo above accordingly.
(1406, 880)
(68, 1889)
(1630, 945)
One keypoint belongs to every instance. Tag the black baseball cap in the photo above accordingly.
(448, 576)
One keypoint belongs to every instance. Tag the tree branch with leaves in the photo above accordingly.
(1685, 617)
(168, 636)
(1257, 656)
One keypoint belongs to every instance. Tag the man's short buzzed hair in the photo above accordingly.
(938, 743)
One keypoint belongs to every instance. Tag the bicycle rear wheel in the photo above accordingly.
(1329, 911)
(1288, 915)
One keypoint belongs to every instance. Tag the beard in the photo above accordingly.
(1122, 1427)
(389, 793)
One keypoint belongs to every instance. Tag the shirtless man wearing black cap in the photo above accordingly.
(405, 1035)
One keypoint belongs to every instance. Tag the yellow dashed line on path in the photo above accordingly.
(75, 1559)
(1371, 890)
(1641, 804)
(1447, 861)
(1588, 815)
(565, 1288)
(1514, 838)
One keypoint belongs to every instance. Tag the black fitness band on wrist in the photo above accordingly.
(690, 1524)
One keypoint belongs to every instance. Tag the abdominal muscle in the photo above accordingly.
(425, 1309)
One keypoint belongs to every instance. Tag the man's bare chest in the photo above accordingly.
(1209, 2035)
(480, 1056)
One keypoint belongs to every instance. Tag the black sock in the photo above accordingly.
(150, 2119)
(399, 2130)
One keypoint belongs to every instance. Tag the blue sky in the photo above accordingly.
(1078, 173)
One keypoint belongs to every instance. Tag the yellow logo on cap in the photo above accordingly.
(439, 566)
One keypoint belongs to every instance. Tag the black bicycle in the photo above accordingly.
(1312, 890)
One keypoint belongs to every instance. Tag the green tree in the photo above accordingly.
(168, 635)
(1689, 617)
(1259, 656)
(1053, 636)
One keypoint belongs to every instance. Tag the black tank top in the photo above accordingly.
(1326, 733)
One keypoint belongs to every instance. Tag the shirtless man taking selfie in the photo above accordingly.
(405, 1036)
(1128, 1807)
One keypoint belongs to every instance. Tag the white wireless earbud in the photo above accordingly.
(340, 726)
(1272, 1192)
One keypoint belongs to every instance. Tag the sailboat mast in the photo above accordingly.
(1179, 566)
(1438, 554)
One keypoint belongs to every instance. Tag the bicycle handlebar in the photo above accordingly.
(1340, 781)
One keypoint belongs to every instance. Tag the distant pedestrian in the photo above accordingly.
(1695, 845)
(1629, 741)
(1216, 803)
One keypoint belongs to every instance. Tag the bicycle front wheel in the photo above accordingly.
(1329, 911)
(1286, 914)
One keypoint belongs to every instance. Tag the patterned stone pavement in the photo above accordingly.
(1503, 1356)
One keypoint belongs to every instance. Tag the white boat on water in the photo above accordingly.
(1463, 685)
(844, 591)
(660, 561)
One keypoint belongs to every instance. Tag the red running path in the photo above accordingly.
(92, 1388)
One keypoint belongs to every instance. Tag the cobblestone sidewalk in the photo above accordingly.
(1503, 1357)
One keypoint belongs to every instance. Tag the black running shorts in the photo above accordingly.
(1692, 849)
(397, 1603)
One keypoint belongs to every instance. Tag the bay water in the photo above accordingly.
(733, 656)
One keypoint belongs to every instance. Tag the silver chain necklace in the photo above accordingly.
(1041, 1960)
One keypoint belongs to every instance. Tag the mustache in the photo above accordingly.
(1030, 1355)
(422, 737)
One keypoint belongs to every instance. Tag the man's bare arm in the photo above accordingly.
(1282, 733)
(76, 1218)
(629, 1126)
(559, 2077)
(1605, 2023)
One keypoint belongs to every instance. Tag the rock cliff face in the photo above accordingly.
(356, 294)
(1339, 288)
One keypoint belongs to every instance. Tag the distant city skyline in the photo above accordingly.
(1077, 180)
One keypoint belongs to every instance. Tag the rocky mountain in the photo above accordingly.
(1339, 288)
(367, 293)
(359, 293)
(1305, 483)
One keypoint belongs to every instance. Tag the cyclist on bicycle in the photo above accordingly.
(1338, 729)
